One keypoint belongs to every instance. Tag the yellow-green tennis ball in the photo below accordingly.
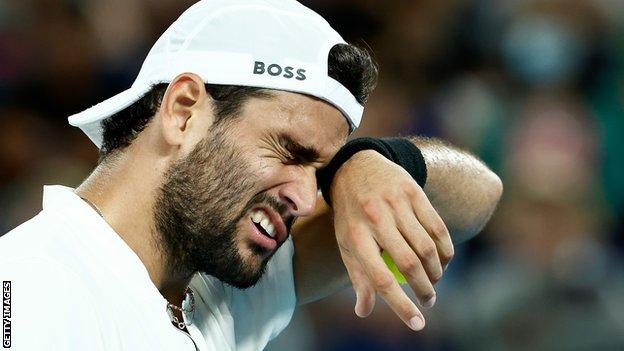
(393, 268)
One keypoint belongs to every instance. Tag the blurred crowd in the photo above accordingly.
(533, 87)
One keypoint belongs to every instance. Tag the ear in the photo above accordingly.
(185, 111)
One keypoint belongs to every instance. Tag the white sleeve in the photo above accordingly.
(261, 312)
(50, 308)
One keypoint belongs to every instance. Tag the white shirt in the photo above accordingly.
(76, 285)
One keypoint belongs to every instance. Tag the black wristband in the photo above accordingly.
(398, 150)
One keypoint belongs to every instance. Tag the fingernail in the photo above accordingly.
(416, 323)
(358, 307)
(357, 313)
(357, 302)
(445, 266)
(429, 303)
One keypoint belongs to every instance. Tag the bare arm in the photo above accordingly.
(318, 268)
(460, 187)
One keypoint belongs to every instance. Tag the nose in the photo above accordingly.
(300, 193)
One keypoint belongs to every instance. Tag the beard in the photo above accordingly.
(202, 206)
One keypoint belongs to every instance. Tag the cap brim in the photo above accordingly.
(89, 120)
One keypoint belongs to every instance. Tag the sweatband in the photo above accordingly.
(398, 150)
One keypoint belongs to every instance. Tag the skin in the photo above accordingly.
(126, 188)
(376, 204)
(219, 183)
(387, 209)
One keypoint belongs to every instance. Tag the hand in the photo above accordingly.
(378, 206)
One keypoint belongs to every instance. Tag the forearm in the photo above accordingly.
(317, 265)
(462, 189)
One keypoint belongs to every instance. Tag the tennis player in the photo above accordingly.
(184, 235)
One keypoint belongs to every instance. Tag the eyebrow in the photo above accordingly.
(304, 154)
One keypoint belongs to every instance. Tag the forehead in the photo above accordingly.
(306, 119)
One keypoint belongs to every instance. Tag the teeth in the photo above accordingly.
(259, 217)
(256, 217)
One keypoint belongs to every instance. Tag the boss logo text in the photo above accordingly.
(276, 70)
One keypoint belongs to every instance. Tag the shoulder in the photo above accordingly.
(34, 236)
(47, 237)
(50, 300)
(42, 280)
(48, 295)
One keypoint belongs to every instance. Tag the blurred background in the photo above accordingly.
(533, 87)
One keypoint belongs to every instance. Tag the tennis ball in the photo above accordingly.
(393, 268)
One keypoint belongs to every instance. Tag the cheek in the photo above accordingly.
(266, 168)
(272, 172)
(241, 233)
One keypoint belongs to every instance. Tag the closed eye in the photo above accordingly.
(297, 153)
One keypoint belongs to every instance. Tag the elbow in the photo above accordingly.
(490, 192)
(495, 192)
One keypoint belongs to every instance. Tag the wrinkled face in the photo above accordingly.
(228, 205)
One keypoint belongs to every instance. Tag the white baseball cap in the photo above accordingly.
(275, 44)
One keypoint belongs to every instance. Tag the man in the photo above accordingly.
(179, 239)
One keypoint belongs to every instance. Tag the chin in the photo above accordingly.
(254, 259)
(250, 267)
(244, 282)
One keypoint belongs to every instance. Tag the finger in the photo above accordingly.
(420, 241)
(435, 227)
(384, 283)
(406, 258)
(410, 264)
(364, 292)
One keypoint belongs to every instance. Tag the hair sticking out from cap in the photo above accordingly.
(354, 68)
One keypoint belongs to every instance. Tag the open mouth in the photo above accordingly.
(261, 220)
(268, 229)
(263, 231)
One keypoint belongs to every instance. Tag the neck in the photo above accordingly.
(124, 190)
